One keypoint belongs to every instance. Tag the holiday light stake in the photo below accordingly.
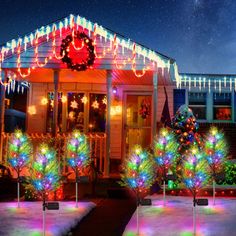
(45, 174)
(19, 154)
(139, 174)
(195, 174)
(77, 156)
(216, 152)
(165, 154)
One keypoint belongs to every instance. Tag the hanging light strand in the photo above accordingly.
(36, 51)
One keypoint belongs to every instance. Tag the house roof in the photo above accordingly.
(27, 41)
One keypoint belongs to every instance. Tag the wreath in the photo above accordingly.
(65, 51)
(145, 109)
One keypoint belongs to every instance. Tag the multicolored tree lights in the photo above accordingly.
(45, 174)
(216, 152)
(165, 154)
(185, 126)
(45, 171)
(195, 174)
(77, 155)
(139, 173)
(19, 154)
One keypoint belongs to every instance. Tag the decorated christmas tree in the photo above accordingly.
(77, 155)
(139, 173)
(185, 126)
(19, 154)
(165, 154)
(45, 171)
(216, 153)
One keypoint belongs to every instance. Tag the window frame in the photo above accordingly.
(230, 106)
(194, 91)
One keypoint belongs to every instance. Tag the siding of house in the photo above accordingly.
(37, 122)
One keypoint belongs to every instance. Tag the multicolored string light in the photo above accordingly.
(165, 151)
(185, 126)
(215, 150)
(77, 151)
(45, 170)
(19, 151)
(195, 170)
(139, 171)
(215, 153)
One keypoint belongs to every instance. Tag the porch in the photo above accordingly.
(60, 99)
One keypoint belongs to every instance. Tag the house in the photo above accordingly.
(85, 76)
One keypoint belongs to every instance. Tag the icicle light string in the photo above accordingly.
(36, 52)
(33, 40)
(219, 84)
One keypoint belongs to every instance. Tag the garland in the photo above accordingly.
(65, 51)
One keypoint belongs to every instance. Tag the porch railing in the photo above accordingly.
(97, 144)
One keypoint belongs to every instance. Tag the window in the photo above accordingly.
(50, 105)
(179, 98)
(197, 102)
(97, 112)
(75, 111)
(222, 106)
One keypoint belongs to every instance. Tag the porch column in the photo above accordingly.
(55, 107)
(108, 123)
(154, 105)
(2, 113)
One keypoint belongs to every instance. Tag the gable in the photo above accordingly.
(42, 49)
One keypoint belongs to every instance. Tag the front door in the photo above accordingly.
(137, 121)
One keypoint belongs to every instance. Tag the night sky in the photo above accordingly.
(199, 34)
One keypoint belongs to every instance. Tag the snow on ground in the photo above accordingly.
(176, 218)
(27, 220)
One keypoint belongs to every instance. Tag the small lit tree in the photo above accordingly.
(139, 173)
(45, 171)
(45, 174)
(165, 154)
(77, 155)
(19, 154)
(195, 174)
(216, 153)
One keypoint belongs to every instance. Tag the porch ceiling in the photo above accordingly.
(120, 77)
